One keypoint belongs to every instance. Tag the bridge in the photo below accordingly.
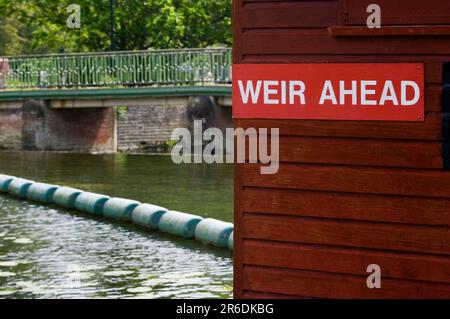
(109, 101)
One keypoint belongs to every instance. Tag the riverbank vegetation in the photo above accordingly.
(40, 26)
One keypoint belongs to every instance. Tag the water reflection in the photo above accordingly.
(201, 189)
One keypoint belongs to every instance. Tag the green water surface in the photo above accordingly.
(50, 252)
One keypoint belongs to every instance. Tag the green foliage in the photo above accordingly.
(11, 43)
(39, 26)
(169, 144)
(121, 111)
(208, 22)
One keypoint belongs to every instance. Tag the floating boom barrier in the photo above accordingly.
(206, 230)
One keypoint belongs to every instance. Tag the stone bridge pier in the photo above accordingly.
(72, 129)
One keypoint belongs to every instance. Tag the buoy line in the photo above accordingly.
(207, 230)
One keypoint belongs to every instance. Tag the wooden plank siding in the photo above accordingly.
(319, 41)
(412, 12)
(359, 151)
(346, 260)
(332, 285)
(433, 64)
(405, 238)
(283, 14)
(347, 206)
(363, 31)
(429, 130)
(355, 179)
(348, 193)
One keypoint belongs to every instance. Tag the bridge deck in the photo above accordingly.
(115, 93)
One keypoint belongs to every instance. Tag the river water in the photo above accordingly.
(49, 252)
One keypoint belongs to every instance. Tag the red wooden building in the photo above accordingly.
(348, 194)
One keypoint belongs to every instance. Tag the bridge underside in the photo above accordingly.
(106, 121)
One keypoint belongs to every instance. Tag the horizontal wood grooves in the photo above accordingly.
(370, 152)
(400, 12)
(264, 28)
(283, 14)
(357, 179)
(358, 151)
(352, 261)
(348, 193)
(434, 98)
(318, 41)
(430, 130)
(419, 239)
(386, 31)
(433, 64)
(348, 206)
(446, 155)
(330, 285)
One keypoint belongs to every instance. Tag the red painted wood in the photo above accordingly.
(384, 31)
(326, 285)
(430, 129)
(248, 294)
(370, 180)
(345, 206)
(318, 41)
(433, 63)
(311, 229)
(238, 236)
(353, 151)
(433, 98)
(418, 239)
(237, 30)
(293, 14)
(400, 12)
(352, 261)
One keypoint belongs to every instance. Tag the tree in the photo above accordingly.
(11, 42)
(207, 22)
(139, 24)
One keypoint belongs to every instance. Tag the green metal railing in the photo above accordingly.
(111, 69)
